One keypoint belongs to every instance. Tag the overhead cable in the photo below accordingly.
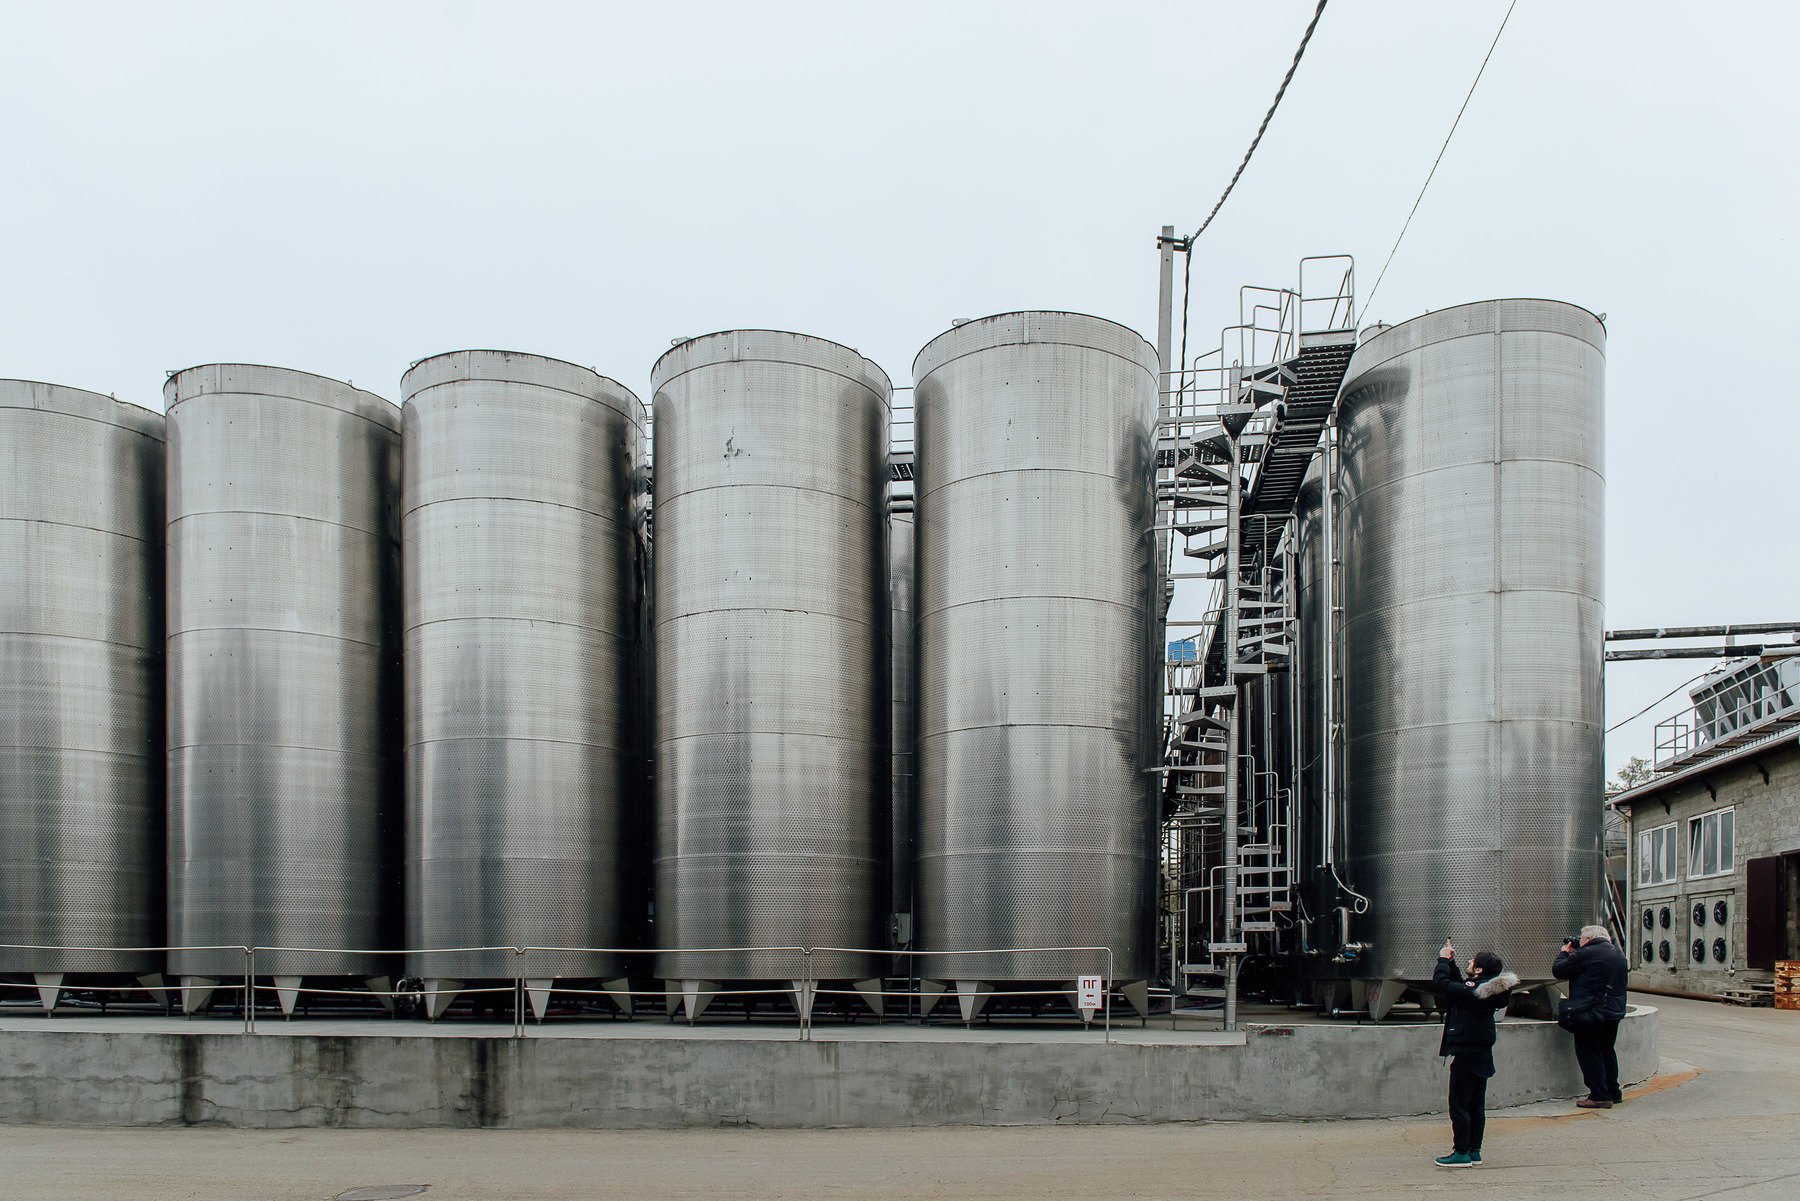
(1440, 155)
(1653, 704)
(1267, 117)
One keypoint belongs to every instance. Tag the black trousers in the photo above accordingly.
(1468, 1105)
(1599, 1062)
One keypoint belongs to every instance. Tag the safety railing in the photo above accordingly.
(375, 959)
(799, 994)
(1327, 290)
(900, 421)
(1766, 698)
(949, 958)
(803, 987)
(244, 988)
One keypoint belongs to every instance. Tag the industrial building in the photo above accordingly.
(1713, 837)
(530, 702)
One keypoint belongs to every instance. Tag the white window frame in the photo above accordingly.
(1656, 856)
(1720, 828)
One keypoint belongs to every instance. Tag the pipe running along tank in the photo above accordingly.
(771, 648)
(1038, 651)
(1471, 497)
(81, 688)
(521, 587)
(1311, 677)
(284, 680)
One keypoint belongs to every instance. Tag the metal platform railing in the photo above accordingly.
(1767, 702)
(804, 986)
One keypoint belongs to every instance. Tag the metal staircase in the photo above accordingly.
(1237, 440)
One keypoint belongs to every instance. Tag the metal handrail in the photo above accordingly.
(249, 961)
(517, 985)
(1342, 313)
(1693, 729)
(1106, 982)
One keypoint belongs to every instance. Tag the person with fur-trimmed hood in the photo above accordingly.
(1469, 1008)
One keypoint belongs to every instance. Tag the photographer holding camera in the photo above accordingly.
(1597, 972)
(1469, 1008)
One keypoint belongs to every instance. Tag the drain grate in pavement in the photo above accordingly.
(382, 1192)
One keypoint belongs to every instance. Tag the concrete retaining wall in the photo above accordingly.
(285, 1080)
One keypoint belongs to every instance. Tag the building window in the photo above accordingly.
(1710, 844)
(1656, 855)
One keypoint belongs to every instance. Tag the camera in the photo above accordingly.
(1571, 940)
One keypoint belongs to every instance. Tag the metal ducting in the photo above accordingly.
(81, 682)
(1038, 647)
(1472, 526)
(771, 648)
(284, 681)
(524, 794)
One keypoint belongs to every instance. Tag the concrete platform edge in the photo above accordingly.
(1301, 1072)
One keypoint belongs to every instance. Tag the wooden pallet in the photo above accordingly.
(1786, 989)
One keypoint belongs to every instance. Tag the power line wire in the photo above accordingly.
(1653, 704)
(1440, 155)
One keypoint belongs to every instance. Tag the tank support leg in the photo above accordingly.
(620, 993)
(930, 992)
(383, 989)
(155, 982)
(538, 993)
(49, 988)
(196, 992)
(1383, 996)
(1541, 1001)
(287, 992)
(1137, 993)
(696, 995)
(972, 996)
(803, 998)
(870, 991)
(439, 996)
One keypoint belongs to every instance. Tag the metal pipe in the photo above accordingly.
(1328, 676)
(1700, 652)
(1229, 811)
(1724, 631)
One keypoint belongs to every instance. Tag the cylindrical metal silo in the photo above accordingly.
(284, 698)
(1037, 648)
(1472, 526)
(901, 671)
(771, 646)
(81, 683)
(523, 789)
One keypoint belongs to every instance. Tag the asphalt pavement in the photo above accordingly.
(1722, 1120)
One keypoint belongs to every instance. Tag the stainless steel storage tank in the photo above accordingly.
(81, 683)
(1471, 500)
(1038, 648)
(771, 646)
(903, 679)
(521, 617)
(284, 699)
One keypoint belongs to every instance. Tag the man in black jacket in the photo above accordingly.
(1469, 1008)
(1597, 973)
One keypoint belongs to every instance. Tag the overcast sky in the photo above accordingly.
(348, 188)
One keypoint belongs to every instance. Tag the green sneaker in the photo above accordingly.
(1457, 1159)
(1474, 1157)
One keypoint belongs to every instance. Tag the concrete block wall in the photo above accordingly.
(1767, 822)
